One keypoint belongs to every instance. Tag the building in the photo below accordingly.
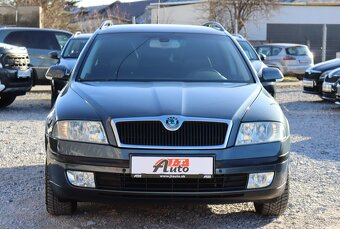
(294, 21)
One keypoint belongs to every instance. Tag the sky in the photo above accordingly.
(85, 3)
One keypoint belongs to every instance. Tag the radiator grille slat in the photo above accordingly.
(124, 182)
(153, 133)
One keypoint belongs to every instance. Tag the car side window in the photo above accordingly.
(276, 51)
(265, 50)
(62, 38)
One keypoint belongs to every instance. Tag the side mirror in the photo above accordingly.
(262, 57)
(54, 55)
(271, 75)
(59, 72)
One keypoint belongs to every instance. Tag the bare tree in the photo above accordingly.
(233, 14)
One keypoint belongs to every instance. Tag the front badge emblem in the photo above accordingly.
(172, 123)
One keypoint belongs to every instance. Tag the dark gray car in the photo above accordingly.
(166, 112)
(39, 42)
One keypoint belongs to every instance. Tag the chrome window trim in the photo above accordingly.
(162, 118)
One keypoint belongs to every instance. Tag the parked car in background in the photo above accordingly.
(337, 96)
(314, 76)
(66, 60)
(291, 59)
(257, 62)
(160, 112)
(329, 85)
(15, 73)
(39, 42)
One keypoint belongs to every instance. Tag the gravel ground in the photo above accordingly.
(315, 180)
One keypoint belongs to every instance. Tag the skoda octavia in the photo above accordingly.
(166, 112)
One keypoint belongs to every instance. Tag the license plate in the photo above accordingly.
(304, 61)
(326, 87)
(24, 74)
(171, 167)
(308, 83)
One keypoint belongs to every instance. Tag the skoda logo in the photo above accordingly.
(172, 123)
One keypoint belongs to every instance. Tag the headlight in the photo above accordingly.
(80, 131)
(260, 132)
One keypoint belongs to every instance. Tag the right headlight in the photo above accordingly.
(261, 132)
(80, 131)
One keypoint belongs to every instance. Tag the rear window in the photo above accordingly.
(297, 51)
(164, 57)
(37, 39)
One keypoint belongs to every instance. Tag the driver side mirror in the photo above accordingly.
(262, 57)
(54, 55)
(59, 72)
(271, 75)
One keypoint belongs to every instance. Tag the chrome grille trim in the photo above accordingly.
(162, 119)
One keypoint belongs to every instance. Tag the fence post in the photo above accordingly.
(324, 42)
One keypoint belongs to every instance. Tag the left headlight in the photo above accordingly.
(80, 131)
(261, 132)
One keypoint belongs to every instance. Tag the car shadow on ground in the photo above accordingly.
(22, 196)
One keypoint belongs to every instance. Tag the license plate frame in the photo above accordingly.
(24, 74)
(143, 166)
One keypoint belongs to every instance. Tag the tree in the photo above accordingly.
(233, 14)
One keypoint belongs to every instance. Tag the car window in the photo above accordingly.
(62, 38)
(74, 48)
(297, 51)
(265, 50)
(276, 51)
(164, 57)
(248, 49)
(33, 39)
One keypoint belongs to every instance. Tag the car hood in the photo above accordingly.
(146, 99)
(327, 65)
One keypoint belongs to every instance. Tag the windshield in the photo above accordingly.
(248, 49)
(164, 57)
(73, 48)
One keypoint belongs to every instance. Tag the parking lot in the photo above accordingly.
(314, 171)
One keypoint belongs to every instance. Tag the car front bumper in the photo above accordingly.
(10, 83)
(114, 162)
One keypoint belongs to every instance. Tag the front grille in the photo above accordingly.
(312, 76)
(124, 182)
(17, 61)
(153, 133)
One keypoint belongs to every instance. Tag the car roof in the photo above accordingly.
(281, 45)
(81, 36)
(33, 29)
(154, 28)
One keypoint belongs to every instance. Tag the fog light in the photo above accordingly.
(81, 179)
(260, 180)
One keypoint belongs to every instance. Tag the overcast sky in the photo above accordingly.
(85, 3)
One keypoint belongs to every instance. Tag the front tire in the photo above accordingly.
(54, 205)
(6, 100)
(275, 208)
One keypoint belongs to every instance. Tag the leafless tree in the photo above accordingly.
(233, 14)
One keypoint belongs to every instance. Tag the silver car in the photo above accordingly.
(291, 59)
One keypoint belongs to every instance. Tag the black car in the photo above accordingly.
(15, 73)
(67, 59)
(329, 85)
(337, 95)
(39, 42)
(166, 113)
(257, 62)
(314, 77)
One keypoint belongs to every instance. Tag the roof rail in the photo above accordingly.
(238, 35)
(106, 24)
(215, 25)
(77, 33)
